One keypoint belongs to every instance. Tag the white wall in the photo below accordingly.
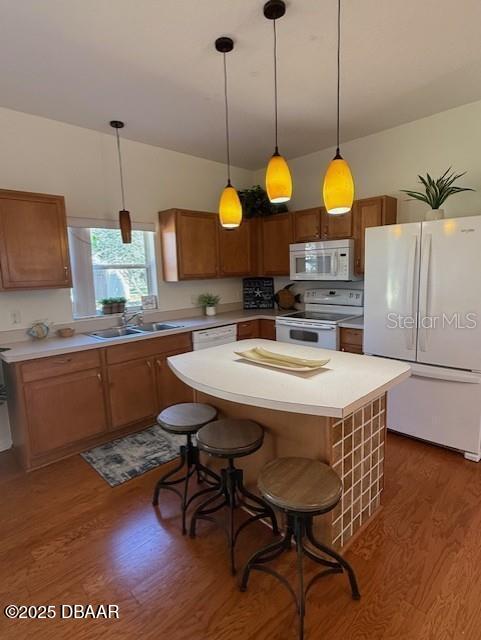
(46, 156)
(386, 162)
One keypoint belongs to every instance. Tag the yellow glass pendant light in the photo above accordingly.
(338, 187)
(230, 208)
(278, 179)
(278, 175)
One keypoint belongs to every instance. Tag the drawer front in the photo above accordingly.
(60, 365)
(351, 336)
(248, 329)
(149, 348)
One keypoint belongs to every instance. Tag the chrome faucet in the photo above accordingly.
(125, 320)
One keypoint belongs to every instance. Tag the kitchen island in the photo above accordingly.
(336, 414)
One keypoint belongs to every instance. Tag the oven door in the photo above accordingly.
(324, 336)
(315, 264)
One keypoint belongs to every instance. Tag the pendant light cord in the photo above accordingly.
(227, 135)
(338, 68)
(121, 171)
(275, 85)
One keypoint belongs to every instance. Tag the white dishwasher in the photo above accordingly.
(214, 337)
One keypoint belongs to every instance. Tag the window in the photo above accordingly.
(104, 267)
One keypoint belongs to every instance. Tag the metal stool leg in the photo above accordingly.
(202, 513)
(301, 606)
(262, 505)
(339, 559)
(231, 483)
(189, 458)
(165, 483)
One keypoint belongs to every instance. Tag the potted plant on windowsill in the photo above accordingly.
(119, 304)
(107, 306)
(209, 302)
(436, 192)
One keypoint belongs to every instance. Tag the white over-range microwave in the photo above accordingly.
(329, 260)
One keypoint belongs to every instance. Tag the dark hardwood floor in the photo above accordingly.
(66, 537)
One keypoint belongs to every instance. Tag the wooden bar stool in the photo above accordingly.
(186, 419)
(231, 439)
(302, 488)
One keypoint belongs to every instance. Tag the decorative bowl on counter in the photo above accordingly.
(65, 332)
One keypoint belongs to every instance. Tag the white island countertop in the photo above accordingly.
(346, 383)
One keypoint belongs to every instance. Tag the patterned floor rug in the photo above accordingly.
(131, 456)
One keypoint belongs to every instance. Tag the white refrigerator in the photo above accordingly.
(422, 304)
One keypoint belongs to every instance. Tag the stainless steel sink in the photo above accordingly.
(114, 332)
(120, 332)
(158, 326)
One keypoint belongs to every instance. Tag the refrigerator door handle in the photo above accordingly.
(449, 375)
(425, 292)
(411, 291)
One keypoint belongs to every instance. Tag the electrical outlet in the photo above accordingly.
(16, 317)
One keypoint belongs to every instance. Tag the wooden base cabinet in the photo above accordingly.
(267, 329)
(248, 330)
(62, 405)
(65, 410)
(351, 340)
(132, 392)
(170, 390)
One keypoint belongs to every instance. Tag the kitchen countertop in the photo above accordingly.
(353, 323)
(348, 382)
(31, 349)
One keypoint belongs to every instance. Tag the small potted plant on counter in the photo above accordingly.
(209, 301)
(436, 192)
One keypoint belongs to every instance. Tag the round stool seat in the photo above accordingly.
(300, 484)
(186, 417)
(230, 438)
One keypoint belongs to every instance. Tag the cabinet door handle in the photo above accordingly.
(62, 360)
(149, 364)
(99, 376)
(158, 363)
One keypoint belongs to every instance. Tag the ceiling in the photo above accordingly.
(152, 64)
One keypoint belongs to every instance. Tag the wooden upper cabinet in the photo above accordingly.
(313, 225)
(33, 241)
(276, 236)
(189, 244)
(370, 212)
(336, 227)
(307, 225)
(236, 251)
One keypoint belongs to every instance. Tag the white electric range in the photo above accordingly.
(318, 324)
